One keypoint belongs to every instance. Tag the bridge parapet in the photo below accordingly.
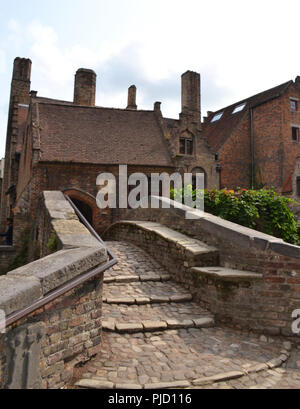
(52, 305)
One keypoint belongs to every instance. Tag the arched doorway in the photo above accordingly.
(85, 209)
(199, 171)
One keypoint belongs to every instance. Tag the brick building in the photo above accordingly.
(60, 145)
(256, 140)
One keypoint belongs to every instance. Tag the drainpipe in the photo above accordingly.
(252, 147)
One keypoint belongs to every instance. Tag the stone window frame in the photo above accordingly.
(187, 137)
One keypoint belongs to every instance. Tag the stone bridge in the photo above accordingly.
(191, 303)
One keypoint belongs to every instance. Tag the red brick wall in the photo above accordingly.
(79, 180)
(235, 157)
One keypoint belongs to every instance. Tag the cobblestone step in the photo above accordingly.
(151, 326)
(183, 313)
(145, 293)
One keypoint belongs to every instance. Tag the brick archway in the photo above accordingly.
(89, 207)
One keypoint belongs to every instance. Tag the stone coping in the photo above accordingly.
(227, 273)
(191, 245)
(79, 252)
(213, 225)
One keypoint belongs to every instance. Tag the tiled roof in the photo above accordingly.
(216, 133)
(71, 133)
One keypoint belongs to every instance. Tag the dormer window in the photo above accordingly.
(294, 105)
(186, 146)
(217, 117)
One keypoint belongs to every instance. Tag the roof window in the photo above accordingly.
(217, 117)
(239, 108)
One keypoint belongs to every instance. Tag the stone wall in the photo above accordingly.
(41, 349)
(7, 255)
(264, 306)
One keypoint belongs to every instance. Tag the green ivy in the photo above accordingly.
(263, 210)
(52, 244)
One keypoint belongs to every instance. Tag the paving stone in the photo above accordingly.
(168, 385)
(108, 325)
(219, 377)
(129, 328)
(204, 322)
(130, 386)
(120, 300)
(94, 384)
(154, 325)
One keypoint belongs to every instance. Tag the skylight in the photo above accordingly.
(217, 117)
(239, 108)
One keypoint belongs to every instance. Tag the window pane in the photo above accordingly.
(182, 146)
(295, 134)
(217, 117)
(293, 105)
(189, 146)
(239, 108)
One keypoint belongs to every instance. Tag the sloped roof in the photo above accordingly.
(216, 133)
(71, 133)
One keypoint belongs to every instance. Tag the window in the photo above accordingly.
(239, 108)
(186, 146)
(295, 134)
(298, 186)
(294, 105)
(217, 117)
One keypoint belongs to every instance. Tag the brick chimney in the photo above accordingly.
(20, 85)
(132, 98)
(190, 96)
(85, 87)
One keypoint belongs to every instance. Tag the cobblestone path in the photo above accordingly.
(155, 336)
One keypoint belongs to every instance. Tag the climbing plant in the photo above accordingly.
(263, 210)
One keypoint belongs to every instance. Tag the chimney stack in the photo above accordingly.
(132, 98)
(190, 96)
(85, 87)
(20, 86)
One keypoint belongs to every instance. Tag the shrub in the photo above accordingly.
(263, 210)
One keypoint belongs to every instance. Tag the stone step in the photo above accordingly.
(150, 317)
(153, 326)
(137, 278)
(224, 273)
(145, 293)
(194, 250)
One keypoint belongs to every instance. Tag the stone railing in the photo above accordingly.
(263, 302)
(52, 305)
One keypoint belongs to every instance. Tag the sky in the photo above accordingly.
(239, 47)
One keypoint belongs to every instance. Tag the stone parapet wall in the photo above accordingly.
(265, 305)
(41, 349)
(7, 255)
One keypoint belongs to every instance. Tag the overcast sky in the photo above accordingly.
(240, 47)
